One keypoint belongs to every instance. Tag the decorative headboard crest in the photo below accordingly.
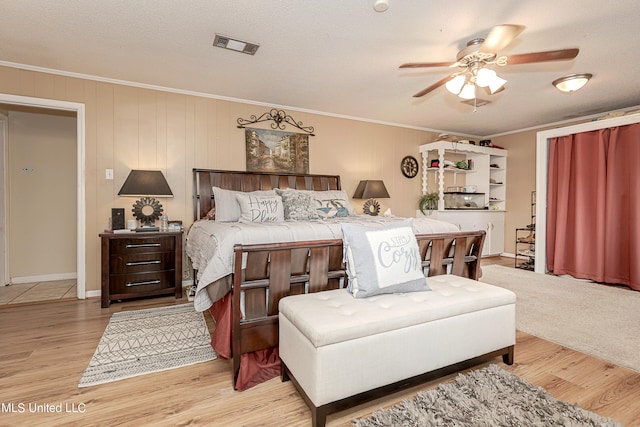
(280, 120)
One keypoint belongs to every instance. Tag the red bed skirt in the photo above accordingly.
(256, 367)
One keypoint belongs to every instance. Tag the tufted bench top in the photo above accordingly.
(331, 317)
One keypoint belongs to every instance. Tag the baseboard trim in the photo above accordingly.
(44, 278)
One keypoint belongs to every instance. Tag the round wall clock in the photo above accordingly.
(409, 166)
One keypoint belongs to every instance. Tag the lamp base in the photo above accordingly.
(145, 229)
(371, 207)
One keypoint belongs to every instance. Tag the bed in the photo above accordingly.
(280, 256)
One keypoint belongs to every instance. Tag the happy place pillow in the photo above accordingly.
(382, 259)
(254, 208)
(227, 208)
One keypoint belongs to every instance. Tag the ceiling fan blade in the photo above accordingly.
(426, 64)
(551, 55)
(499, 37)
(436, 85)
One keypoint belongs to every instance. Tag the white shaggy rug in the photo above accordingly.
(152, 340)
(595, 319)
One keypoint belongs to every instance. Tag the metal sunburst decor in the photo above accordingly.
(147, 210)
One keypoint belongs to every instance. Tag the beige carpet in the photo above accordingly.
(599, 320)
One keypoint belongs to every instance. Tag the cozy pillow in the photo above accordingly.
(332, 208)
(298, 205)
(256, 208)
(227, 208)
(333, 195)
(383, 259)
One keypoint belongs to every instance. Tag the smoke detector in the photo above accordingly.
(230, 43)
(381, 5)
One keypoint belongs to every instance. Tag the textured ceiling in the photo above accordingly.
(339, 57)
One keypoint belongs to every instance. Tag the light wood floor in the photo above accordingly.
(46, 347)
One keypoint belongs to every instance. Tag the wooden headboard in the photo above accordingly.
(205, 179)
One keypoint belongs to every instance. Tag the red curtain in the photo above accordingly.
(593, 205)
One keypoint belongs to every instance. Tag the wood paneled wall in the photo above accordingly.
(131, 127)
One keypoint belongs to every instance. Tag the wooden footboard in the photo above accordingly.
(453, 253)
(266, 273)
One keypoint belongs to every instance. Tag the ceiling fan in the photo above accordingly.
(477, 58)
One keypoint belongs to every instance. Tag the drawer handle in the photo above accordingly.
(142, 245)
(147, 282)
(131, 264)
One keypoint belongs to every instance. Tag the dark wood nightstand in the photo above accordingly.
(141, 264)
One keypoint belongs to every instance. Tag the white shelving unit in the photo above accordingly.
(488, 173)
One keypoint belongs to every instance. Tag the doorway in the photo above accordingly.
(542, 158)
(79, 111)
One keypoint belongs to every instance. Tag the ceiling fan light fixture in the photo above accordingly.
(484, 77)
(572, 82)
(468, 91)
(455, 84)
(496, 84)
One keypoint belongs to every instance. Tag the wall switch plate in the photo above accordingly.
(108, 174)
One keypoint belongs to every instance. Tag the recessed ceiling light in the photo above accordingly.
(234, 44)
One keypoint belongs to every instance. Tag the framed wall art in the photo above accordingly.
(270, 150)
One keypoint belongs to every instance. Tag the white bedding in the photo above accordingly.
(210, 243)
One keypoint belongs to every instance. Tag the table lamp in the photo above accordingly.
(146, 184)
(371, 189)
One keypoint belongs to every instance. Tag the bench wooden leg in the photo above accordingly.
(284, 372)
(318, 416)
(507, 357)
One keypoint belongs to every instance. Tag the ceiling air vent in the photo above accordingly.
(233, 44)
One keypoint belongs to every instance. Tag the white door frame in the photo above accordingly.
(4, 276)
(542, 160)
(80, 135)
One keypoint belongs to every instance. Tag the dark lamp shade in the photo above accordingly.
(142, 183)
(371, 189)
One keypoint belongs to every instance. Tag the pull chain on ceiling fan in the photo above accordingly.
(477, 58)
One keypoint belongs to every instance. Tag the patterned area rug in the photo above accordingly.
(144, 341)
(487, 397)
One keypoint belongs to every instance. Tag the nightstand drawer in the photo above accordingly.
(137, 265)
(142, 245)
(144, 282)
(142, 263)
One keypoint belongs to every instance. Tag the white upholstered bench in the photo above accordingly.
(340, 351)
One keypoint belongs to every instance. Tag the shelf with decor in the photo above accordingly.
(526, 243)
(468, 171)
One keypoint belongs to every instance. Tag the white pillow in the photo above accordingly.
(256, 208)
(333, 208)
(333, 195)
(227, 208)
(383, 259)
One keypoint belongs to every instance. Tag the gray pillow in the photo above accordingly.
(383, 259)
(298, 205)
(255, 208)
